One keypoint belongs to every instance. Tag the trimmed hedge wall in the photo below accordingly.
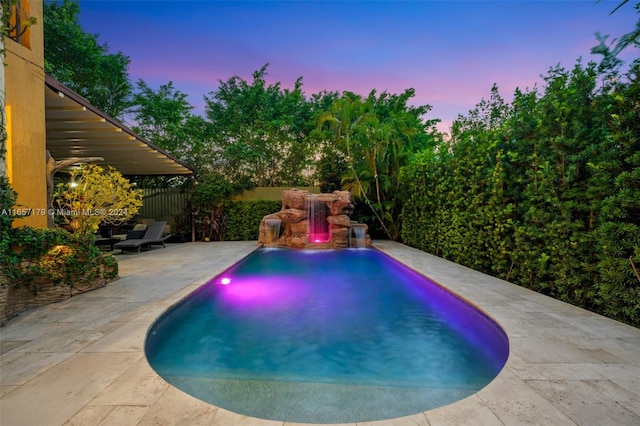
(242, 218)
(544, 193)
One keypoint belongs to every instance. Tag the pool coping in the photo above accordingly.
(81, 361)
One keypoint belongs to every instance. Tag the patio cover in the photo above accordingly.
(75, 128)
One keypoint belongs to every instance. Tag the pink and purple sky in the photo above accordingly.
(450, 52)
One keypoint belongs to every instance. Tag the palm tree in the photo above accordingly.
(379, 134)
(394, 136)
(352, 121)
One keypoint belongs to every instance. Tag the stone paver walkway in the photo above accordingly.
(81, 361)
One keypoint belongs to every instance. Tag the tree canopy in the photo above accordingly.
(165, 117)
(79, 61)
(260, 130)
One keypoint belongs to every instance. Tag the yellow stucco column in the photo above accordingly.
(26, 146)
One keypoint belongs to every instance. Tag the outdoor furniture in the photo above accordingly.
(153, 235)
(106, 241)
(104, 237)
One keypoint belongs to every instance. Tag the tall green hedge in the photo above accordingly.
(242, 218)
(543, 192)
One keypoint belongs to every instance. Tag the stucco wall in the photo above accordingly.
(26, 148)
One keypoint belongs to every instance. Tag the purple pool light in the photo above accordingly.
(335, 336)
(260, 293)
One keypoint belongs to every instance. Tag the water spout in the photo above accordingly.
(360, 233)
(272, 231)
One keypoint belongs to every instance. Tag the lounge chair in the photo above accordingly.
(153, 235)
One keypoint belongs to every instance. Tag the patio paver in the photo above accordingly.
(81, 361)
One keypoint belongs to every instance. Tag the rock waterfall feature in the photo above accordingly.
(319, 221)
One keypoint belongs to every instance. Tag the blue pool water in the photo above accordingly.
(329, 336)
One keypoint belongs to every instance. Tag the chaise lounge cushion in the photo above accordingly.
(135, 235)
(153, 235)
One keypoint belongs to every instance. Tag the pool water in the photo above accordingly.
(331, 336)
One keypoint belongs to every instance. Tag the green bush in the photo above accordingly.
(30, 254)
(55, 255)
(242, 218)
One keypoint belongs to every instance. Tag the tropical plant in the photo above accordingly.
(57, 257)
(610, 51)
(30, 257)
(206, 205)
(377, 136)
(346, 120)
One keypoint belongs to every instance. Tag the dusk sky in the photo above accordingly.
(450, 52)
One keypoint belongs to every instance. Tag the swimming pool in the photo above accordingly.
(330, 336)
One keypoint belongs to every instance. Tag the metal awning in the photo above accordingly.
(75, 128)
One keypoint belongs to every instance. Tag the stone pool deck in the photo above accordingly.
(81, 361)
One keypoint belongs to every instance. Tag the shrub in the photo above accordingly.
(54, 255)
(243, 218)
(95, 195)
(29, 256)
